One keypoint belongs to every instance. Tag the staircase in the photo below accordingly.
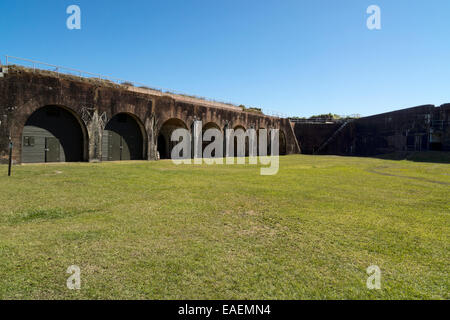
(333, 136)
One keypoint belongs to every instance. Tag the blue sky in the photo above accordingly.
(296, 57)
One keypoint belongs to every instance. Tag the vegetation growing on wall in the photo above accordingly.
(251, 109)
(328, 117)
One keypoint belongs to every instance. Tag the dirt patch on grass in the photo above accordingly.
(375, 170)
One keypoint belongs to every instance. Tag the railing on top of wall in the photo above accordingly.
(38, 65)
(325, 120)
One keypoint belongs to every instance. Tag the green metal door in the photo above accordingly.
(52, 150)
(122, 139)
(114, 147)
(118, 148)
(125, 150)
(52, 134)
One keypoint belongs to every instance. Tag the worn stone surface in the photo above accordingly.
(311, 135)
(419, 128)
(93, 103)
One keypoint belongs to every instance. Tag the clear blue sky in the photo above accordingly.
(296, 57)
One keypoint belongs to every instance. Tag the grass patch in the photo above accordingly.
(153, 230)
(43, 214)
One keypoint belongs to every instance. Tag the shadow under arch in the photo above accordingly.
(211, 125)
(259, 145)
(207, 126)
(54, 133)
(164, 143)
(124, 138)
(238, 128)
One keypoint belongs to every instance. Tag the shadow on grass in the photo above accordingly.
(425, 156)
(45, 214)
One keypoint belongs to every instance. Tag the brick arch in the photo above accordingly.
(163, 133)
(20, 122)
(267, 151)
(139, 112)
(206, 126)
(153, 109)
(141, 126)
(211, 124)
(263, 124)
(239, 126)
(214, 117)
(161, 120)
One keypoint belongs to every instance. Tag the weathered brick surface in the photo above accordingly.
(419, 128)
(22, 92)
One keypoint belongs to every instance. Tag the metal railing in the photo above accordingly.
(38, 65)
(58, 69)
(274, 113)
(325, 120)
(312, 120)
(317, 121)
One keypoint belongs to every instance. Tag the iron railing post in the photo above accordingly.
(10, 157)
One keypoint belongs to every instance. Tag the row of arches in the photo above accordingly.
(56, 134)
(165, 145)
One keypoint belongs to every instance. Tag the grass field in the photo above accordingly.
(153, 230)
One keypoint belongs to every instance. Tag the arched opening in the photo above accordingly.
(236, 141)
(53, 134)
(209, 125)
(165, 145)
(260, 151)
(123, 139)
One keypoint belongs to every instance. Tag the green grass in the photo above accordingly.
(153, 230)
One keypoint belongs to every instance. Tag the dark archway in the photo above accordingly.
(53, 134)
(236, 141)
(123, 139)
(162, 147)
(165, 145)
(209, 125)
(267, 147)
